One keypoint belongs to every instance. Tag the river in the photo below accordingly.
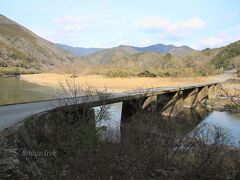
(227, 120)
(14, 90)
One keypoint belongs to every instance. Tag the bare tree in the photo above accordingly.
(232, 93)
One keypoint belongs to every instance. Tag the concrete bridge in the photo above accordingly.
(168, 100)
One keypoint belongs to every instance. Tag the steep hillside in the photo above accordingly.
(21, 48)
(227, 57)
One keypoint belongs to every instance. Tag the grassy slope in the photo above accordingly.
(228, 57)
(22, 49)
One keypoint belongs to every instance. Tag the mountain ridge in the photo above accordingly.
(159, 48)
(78, 51)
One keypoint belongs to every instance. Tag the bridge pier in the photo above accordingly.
(203, 93)
(195, 97)
(150, 102)
(128, 110)
(174, 105)
(213, 91)
(191, 98)
(131, 107)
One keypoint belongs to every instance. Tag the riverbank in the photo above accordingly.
(113, 84)
(16, 71)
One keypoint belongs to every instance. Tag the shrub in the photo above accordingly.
(74, 75)
(146, 74)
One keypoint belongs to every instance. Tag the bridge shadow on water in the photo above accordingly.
(116, 127)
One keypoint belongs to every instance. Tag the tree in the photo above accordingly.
(167, 60)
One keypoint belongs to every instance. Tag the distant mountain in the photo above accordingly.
(79, 51)
(125, 56)
(19, 47)
(159, 48)
(112, 55)
(128, 53)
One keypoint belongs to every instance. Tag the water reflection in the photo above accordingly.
(189, 121)
(112, 126)
(229, 121)
(14, 90)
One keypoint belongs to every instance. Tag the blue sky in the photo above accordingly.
(107, 23)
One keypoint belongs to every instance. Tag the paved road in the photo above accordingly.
(12, 114)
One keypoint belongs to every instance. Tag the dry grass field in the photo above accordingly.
(113, 84)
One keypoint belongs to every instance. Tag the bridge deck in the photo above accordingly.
(14, 113)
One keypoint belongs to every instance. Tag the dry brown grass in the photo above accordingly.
(113, 84)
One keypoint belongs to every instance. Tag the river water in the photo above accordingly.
(14, 90)
(230, 122)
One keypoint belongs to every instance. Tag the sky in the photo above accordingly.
(106, 23)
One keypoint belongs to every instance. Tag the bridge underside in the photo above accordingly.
(171, 103)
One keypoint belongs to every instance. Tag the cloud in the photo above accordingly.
(92, 31)
(157, 24)
(223, 38)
